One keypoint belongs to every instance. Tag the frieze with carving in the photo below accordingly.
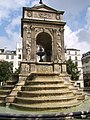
(38, 29)
(44, 15)
(44, 69)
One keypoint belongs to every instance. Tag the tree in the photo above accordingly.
(17, 71)
(72, 70)
(6, 70)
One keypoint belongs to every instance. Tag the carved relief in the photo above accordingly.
(61, 29)
(59, 47)
(29, 32)
(25, 27)
(59, 52)
(39, 29)
(58, 35)
(27, 42)
(28, 49)
(58, 17)
(44, 15)
(29, 14)
(44, 69)
(25, 68)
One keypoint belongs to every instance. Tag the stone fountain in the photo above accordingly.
(43, 85)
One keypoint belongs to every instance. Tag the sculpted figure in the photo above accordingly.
(28, 49)
(59, 52)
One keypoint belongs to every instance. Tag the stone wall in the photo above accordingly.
(57, 116)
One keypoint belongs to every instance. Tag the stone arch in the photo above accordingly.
(45, 40)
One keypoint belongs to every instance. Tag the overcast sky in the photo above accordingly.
(77, 17)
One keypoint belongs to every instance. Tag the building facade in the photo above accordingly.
(74, 55)
(86, 68)
(14, 56)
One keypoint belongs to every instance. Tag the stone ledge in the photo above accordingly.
(61, 116)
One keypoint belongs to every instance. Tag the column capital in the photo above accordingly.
(61, 30)
(54, 30)
(32, 28)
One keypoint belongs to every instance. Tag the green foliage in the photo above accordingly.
(72, 70)
(17, 71)
(6, 70)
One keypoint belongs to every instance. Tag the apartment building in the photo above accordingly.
(14, 56)
(86, 68)
(75, 56)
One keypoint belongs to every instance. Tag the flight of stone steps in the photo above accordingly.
(5, 90)
(44, 92)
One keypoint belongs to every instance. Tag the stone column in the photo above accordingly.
(33, 44)
(54, 46)
(62, 44)
(63, 51)
(24, 43)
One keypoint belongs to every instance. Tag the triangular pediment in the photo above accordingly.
(44, 7)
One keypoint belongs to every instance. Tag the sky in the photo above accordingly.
(76, 16)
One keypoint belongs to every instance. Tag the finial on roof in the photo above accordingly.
(40, 2)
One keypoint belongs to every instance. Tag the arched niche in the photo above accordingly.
(44, 39)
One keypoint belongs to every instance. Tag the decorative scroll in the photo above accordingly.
(39, 29)
(29, 14)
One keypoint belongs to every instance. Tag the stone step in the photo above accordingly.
(43, 106)
(49, 99)
(3, 97)
(2, 103)
(11, 82)
(44, 93)
(46, 78)
(7, 87)
(4, 92)
(43, 87)
(42, 82)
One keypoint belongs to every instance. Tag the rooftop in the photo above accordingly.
(72, 49)
(86, 54)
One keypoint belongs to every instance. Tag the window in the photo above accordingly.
(18, 50)
(12, 56)
(19, 63)
(69, 52)
(69, 57)
(7, 56)
(75, 57)
(19, 56)
(76, 63)
(12, 63)
(75, 52)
